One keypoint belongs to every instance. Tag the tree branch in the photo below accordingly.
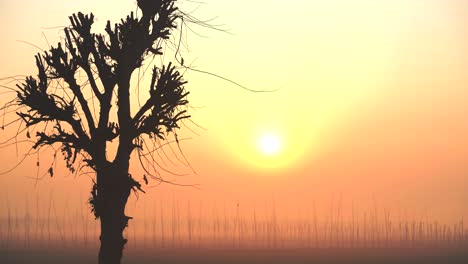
(44, 107)
(60, 66)
(167, 95)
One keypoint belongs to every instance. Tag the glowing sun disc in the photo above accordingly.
(269, 144)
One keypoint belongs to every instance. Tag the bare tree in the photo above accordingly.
(107, 61)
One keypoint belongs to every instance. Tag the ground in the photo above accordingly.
(244, 256)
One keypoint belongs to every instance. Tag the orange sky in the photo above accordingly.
(371, 102)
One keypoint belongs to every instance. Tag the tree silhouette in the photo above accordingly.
(107, 61)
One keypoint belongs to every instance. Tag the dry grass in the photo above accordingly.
(189, 225)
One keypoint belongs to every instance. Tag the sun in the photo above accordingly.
(269, 144)
(268, 148)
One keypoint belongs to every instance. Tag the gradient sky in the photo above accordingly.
(370, 101)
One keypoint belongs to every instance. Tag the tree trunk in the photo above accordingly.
(113, 190)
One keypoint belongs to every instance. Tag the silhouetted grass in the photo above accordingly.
(183, 225)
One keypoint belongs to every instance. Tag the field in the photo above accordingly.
(234, 256)
(183, 233)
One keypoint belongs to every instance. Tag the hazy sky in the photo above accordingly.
(370, 101)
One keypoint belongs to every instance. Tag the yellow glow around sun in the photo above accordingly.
(269, 143)
(269, 147)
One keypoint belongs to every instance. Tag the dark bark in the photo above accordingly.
(113, 190)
